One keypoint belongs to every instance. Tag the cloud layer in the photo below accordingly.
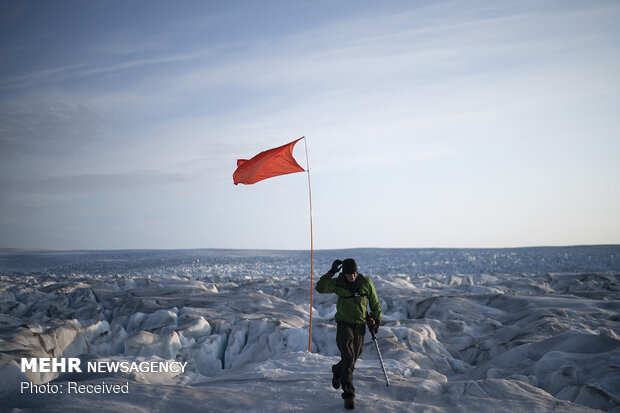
(439, 118)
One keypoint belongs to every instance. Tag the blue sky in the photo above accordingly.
(429, 124)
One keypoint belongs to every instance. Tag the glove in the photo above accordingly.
(373, 324)
(336, 266)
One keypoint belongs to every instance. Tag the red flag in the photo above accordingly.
(267, 164)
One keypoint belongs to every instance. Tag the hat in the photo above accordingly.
(349, 266)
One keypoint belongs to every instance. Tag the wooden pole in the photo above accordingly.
(311, 248)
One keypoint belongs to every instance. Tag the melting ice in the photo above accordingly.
(495, 330)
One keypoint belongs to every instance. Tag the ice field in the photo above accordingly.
(482, 330)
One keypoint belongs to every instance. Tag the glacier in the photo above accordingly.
(498, 330)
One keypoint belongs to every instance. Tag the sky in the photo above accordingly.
(428, 123)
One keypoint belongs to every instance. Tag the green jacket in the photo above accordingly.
(351, 305)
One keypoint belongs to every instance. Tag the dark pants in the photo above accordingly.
(350, 341)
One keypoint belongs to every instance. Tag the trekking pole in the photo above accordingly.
(374, 338)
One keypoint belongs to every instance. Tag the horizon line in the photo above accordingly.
(36, 249)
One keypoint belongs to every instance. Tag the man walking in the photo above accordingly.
(355, 292)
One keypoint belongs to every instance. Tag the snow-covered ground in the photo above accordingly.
(497, 330)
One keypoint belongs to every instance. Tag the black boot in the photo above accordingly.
(335, 379)
(349, 404)
(335, 382)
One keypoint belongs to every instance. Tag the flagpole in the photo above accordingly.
(311, 248)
